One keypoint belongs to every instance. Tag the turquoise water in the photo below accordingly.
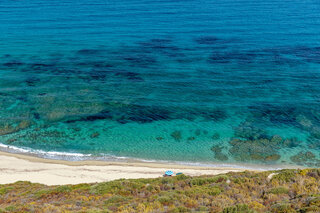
(220, 81)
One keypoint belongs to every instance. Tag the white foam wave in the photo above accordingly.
(24, 150)
(107, 157)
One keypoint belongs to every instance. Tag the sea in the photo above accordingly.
(207, 82)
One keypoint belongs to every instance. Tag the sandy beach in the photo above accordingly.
(17, 167)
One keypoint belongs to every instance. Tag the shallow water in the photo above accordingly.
(215, 82)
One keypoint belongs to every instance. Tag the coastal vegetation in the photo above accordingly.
(268, 191)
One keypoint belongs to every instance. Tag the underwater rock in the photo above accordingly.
(259, 149)
(305, 158)
(257, 157)
(313, 143)
(304, 122)
(95, 135)
(274, 157)
(248, 131)
(23, 125)
(315, 132)
(277, 139)
(176, 135)
(221, 157)
(7, 129)
(216, 136)
(191, 138)
(47, 136)
(11, 140)
(54, 116)
(159, 138)
(54, 108)
(218, 153)
(197, 132)
(291, 142)
(31, 81)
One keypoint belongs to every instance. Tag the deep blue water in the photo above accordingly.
(231, 81)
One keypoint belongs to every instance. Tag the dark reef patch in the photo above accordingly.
(125, 113)
(233, 56)
(207, 40)
(310, 54)
(305, 158)
(13, 64)
(218, 154)
(31, 81)
(96, 75)
(276, 114)
(176, 135)
(213, 114)
(306, 53)
(159, 45)
(95, 64)
(129, 75)
(88, 52)
(140, 60)
(249, 131)
(254, 150)
(40, 66)
(6, 56)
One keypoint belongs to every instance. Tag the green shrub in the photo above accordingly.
(63, 189)
(279, 190)
(285, 176)
(41, 193)
(11, 208)
(116, 199)
(179, 209)
(173, 194)
(207, 180)
(282, 208)
(240, 208)
(214, 191)
(165, 200)
(107, 187)
(182, 177)
(5, 190)
(83, 186)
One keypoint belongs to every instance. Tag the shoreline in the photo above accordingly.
(20, 167)
(71, 159)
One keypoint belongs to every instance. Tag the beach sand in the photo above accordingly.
(18, 167)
